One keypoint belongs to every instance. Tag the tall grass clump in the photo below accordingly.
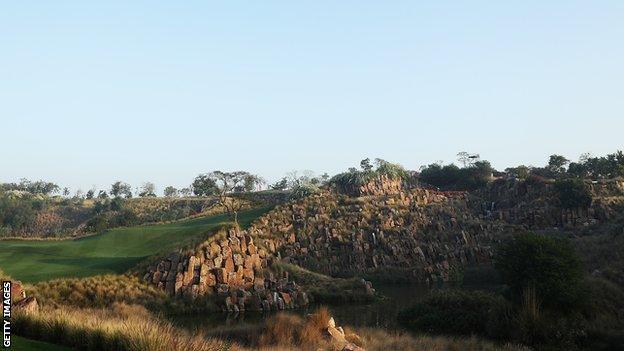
(288, 331)
(99, 291)
(123, 327)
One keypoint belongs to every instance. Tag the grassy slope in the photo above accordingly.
(115, 251)
(23, 344)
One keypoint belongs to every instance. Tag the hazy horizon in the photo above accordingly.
(93, 93)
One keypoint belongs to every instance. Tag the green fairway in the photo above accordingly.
(114, 251)
(22, 344)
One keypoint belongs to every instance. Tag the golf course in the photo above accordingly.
(112, 252)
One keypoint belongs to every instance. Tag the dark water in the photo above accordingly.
(382, 313)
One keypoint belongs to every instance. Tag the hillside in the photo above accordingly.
(114, 251)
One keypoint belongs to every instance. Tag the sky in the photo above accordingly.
(93, 92)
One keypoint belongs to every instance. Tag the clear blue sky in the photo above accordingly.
(160, 91)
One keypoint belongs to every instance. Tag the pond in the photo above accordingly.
(382, 313)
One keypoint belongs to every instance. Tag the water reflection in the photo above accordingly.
(380, 313)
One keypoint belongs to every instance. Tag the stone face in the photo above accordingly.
(221, 275)
(229, 264)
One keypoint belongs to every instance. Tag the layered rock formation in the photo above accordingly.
(420, 233)
(231, 266)
(532, 204)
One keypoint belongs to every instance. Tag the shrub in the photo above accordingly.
(458, 313)
(349, 182)
(572, 193)
(549, 265)
(452, 177)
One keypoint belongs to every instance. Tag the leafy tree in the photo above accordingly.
(366, 165)
(227, 183)
(325, 178)
(521, 172)
(451, 177)
(148, 189)
(170, 191)
(186, 192)
(38, 187)
(556, 163)
(252, 182)
(572, 193)
(549, 266)
(577, 169)
(102, 195)
(281, 184)
(121, 189)
(441, 176)
(65, 191)
(90, 194)
(205, 185)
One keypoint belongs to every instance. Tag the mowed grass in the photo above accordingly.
(23, 344)
(112, 252)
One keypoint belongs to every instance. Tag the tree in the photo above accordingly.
(65, 191)
(577, 169)
(90, 194)
(549, 266)
(186, 192)
(102, 195)
(521, 172)
(148, 189)
(227, 183)
(252, 182)
(366, 165)
(467, 159)
(38, 187)
(121, 189)
(204, 185)
(171, 192)
(281, 184)
(325, 178)
(556, 163)
(572, 193)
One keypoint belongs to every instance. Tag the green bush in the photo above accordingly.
(451, 177)
(572, 193)
(459, 313)
(546, 264)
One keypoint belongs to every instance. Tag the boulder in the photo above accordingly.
(28, 304)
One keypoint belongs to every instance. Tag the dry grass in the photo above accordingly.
(98, 291)
(381, 340)
(123, 327)
(287, 331)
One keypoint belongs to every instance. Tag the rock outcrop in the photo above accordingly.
(420, 233)
(19, 299)
(232, 267)
(337, 336)
(531, 204)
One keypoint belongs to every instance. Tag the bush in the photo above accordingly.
(451, 177)
(349, 182)
(458, 313)
(549, 265)
(572, 193)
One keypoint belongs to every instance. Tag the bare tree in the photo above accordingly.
(228, 183)
(467, 159)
